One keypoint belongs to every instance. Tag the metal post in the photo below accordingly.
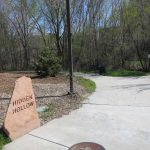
(148, 62)
(69, 46)
(149, 65)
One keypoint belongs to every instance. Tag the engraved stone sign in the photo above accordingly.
(21, 116)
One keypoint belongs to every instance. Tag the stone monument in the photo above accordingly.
(21, 116)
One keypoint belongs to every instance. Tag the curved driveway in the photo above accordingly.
(116, 116)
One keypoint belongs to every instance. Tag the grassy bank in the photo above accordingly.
(88, 84)
(125, 73)
(3, 139)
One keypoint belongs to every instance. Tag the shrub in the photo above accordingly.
(48, 64)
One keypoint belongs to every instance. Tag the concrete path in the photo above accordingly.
(116, 116)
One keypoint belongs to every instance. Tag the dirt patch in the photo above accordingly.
(60, 106)
(7, 80)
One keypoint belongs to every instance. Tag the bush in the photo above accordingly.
(48, 64)
(102, 70)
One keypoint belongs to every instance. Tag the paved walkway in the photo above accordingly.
(116, 116)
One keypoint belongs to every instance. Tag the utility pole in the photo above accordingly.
(69, 46)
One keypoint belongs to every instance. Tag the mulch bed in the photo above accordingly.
(51, 92)
(7, 80)
(60, 107)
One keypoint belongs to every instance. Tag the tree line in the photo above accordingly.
(110, 33)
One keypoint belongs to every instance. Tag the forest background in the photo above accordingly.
(114, 34)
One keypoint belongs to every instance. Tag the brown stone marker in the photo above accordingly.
(21, 116)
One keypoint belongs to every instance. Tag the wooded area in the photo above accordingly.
(110, 33)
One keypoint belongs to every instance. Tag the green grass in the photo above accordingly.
(3, 139)
(125, 73)
(88, 84)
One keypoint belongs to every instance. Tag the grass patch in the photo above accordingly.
(125, 73)
(3, 139)
(88, 84)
